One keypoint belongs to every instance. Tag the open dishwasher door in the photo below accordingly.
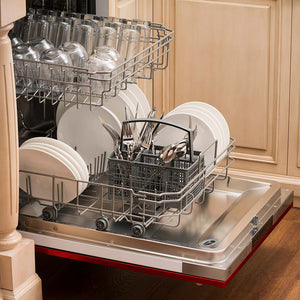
(209, 246)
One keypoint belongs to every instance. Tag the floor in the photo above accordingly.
(273, 272)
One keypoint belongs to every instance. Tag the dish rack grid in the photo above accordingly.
(116, 203)
(70, 84)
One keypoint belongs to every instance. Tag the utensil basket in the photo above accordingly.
(148, 172)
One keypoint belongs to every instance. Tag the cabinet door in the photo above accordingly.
(294, 128)
(234, 55)
(134, 9)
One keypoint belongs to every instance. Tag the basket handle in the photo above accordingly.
(187, 130)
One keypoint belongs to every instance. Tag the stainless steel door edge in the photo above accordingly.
(226, 217)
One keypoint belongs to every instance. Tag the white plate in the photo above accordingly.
(61, 155)
(205, 134)
(68, 159)
(134, 99)
(214, 113)
(115, 104)
(64, 105)
(82, 129)
(36, 159)
(142, 99)
(69, 150)
(206, 116)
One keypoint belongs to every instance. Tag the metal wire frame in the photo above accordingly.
(75, 85)
(120, 203)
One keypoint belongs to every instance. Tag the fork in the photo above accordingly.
(115, 136)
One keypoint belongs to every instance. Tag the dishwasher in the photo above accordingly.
(199, 225)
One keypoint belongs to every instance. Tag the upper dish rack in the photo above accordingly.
(75, 85)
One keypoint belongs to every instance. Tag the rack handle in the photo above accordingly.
(187, 130)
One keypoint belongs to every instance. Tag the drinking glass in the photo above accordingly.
(28, 24)
(63, 33)
(56, 77)
(101, 81)
(106, 36)
(144, 42)
(112, 52)
(84, 34)
(128, 47)
(76, 52)
(15, 41)
(41, 29)
(128, 43)
(26, 71)
(41, 45)
(53, 26)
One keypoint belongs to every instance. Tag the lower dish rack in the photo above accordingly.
(104, 201)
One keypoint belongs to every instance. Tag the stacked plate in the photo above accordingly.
(82, 128)
(132, 98)
(211, 127)
(54, 158)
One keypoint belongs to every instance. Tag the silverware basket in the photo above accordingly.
(148, 173)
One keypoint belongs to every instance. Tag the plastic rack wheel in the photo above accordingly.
(50, 213)
(138, 230)
(102, 223)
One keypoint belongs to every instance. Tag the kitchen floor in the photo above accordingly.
(273, 272)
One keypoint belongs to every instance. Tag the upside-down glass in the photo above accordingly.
(41, 29)
(63, 33)
(55, 76)
(77, 53)
(27, 30)
(144, 59)
(128, 43)
(53, 26)
(128, 47)
(15, 41)
(41, 45)
(84, 34)
(106, 36)
(105, 51)
(26, 70)
(112, 52)
(103, 78)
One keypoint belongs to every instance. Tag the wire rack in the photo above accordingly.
(108, 203)
(76, 85)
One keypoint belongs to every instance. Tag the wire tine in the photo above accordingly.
(104, 161)
(98, 165)
(101, 163)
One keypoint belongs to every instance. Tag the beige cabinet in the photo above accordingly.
(235, 55)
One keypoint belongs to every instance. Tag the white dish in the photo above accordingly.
(134, 99)
(210, 119)
(61, 155)
(70, 160)
(36, 159)
(69, 150)
(82, 129)
(214, 113)
(115, 104)
(142, 99)
(64, 105)
(205, 134)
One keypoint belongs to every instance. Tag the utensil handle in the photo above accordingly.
(187, 130)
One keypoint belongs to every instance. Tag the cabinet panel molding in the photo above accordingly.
(234, 55)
